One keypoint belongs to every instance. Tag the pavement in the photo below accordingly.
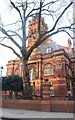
(19, 114)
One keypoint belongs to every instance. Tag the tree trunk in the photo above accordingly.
(27, 94)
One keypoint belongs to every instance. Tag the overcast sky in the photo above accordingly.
(5, 53)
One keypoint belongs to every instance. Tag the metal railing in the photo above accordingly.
(38, 97)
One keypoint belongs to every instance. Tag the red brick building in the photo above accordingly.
(49, 60)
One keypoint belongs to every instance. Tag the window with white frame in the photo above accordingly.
(32, 73)
(52, 89)
(48, 50)
(58, 66)
(48, 69)
(17, 70)
(52, 92)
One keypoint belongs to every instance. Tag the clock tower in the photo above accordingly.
(33, 29)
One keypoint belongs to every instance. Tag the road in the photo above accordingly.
(15, 113)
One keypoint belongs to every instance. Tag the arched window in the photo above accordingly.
(59, 66)
(32, 73)
(52, 89)
(48, 69)
(17, 69)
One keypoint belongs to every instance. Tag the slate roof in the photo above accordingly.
(43, 48)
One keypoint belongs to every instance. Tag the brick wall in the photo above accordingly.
(41, 105)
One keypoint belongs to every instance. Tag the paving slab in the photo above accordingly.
(19, 114)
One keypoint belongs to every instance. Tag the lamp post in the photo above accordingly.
(1, 68)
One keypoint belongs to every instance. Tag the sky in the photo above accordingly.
(5, 53)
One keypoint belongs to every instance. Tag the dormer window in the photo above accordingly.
(49, 50)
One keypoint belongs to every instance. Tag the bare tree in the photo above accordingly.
(26, 10)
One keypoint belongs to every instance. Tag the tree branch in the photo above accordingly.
(39, 19)
(5, 33)
(15, 34)
(16, 9)
(41, 40)
(46, 34)
(67, 33)
(12, 23)
(11, 49)
(2, 38)
(58, 19)
(38, 8)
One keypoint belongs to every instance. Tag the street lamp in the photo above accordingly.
(1, 68)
